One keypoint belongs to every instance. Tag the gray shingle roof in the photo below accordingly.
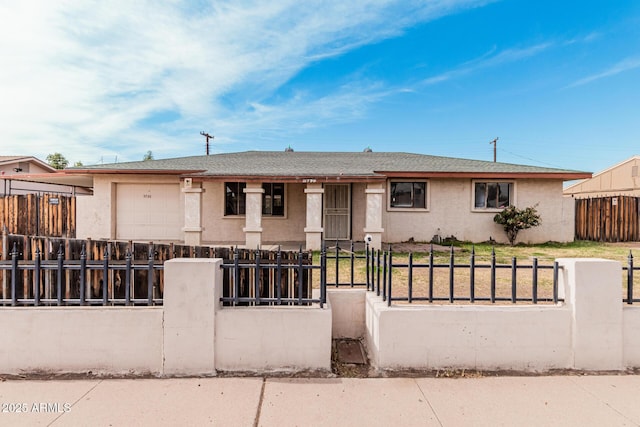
(281, 163)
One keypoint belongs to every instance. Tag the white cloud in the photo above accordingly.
(490, 59)
(620, 67)
(79, 77)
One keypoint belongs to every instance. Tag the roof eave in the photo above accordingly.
(565, 176)
(287, 178)
(56, 178)
(133, 171)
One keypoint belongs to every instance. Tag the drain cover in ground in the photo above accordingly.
(350, 352)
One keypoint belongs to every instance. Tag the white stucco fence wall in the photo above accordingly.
(590, 331)
(348, 312)
(203, 337)
(631, 335)
(273, 339)
(474, 337)
(102, 340)
(192, 334)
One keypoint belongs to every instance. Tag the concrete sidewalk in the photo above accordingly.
(609, 400)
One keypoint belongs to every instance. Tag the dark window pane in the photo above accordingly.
(480, 194)
(503, 194)
(419, 195)
(492, 195)
(242, 198)
(230, 199)
(278, 200)
(273, 199)
(266, 199)
(235, 198)
(401, 194)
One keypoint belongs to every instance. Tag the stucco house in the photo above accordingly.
(260, 198)
(622, 179)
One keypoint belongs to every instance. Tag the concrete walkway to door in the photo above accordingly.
(585, 400)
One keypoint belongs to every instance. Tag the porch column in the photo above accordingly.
(192, 213)
(314, 229)
(253, 215)
(375, 205)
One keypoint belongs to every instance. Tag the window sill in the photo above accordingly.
(390, 209)
(264, 217)
(487, 210)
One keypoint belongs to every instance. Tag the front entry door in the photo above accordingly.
(337, 211)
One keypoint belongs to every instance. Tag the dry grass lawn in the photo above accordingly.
(505, 285)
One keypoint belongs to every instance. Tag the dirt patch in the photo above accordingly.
(415, 247)
(342, 356)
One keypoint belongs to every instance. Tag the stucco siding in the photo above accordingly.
(291, 226)
(217, 227)
(220, 228)
(450, 214)
(96, 215)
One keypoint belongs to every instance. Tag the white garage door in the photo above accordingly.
(148, 212)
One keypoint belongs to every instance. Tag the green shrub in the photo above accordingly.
(513, 220)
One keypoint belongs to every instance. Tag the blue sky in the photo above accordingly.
(558, 82)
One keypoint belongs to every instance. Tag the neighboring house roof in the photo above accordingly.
(329, 165)
(8, 160)
(28, 174)
(613, 179)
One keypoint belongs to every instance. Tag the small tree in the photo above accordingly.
(513, 220)
(148, 156)
(57, 161)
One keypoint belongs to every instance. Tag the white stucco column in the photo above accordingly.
(253, 215)
(375, 205)
(192, 213)
(591, 287)
(314, 229)
(193, 287)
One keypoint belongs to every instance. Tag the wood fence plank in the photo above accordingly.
(608, 219)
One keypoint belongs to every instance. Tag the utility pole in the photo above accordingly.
(208, 137)
(495, 146)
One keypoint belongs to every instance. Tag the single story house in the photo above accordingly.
(259, 198)
(622, 179)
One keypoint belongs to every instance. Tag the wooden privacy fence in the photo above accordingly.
(256, 277)
(49, 215)
(608, 219)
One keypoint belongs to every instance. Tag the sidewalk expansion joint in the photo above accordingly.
(256, 421)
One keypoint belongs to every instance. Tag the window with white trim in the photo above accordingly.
(273, 199)
(236, 199)
(493, 195)
(408, 194)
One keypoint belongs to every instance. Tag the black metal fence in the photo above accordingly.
(255, 277)
(89, 273)
(272, 278)
(523, 281)
(629, 269)
(80, 282)
(337, 257)
(442, 280)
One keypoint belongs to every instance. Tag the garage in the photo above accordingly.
(148, 212)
